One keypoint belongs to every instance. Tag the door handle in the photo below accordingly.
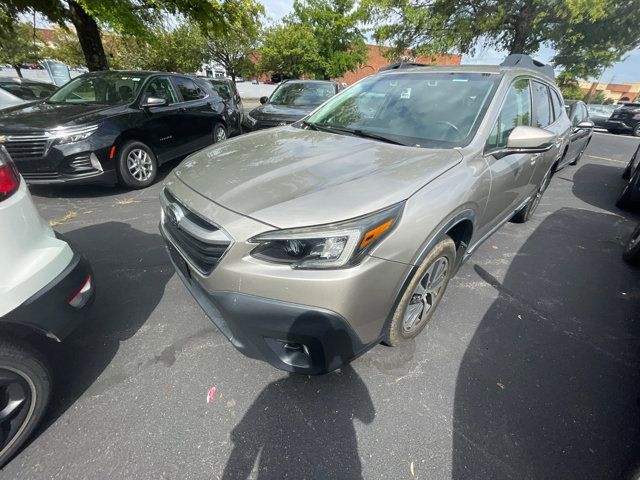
(534, 158)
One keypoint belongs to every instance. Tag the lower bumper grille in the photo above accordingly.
(26, 149)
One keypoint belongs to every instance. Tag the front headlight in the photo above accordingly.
(335, 245)
(70, 135)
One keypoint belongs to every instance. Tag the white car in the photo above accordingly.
(44, 287)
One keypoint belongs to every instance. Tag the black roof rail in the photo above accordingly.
(397, 66)
(520, 60)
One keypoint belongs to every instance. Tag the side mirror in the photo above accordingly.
(149, 102)
(585, 125)
(527, 140)
(264, 100)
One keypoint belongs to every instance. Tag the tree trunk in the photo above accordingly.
(89, 37)
(18, 70)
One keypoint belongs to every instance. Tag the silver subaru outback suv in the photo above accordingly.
(308, 244)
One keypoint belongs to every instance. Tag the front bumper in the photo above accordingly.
(90, 178)
(291, 337)
(47, 311)
(619, 125)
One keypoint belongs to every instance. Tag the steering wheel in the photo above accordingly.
(452, 127)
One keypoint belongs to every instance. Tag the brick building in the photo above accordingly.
(617, 92)
(376, 60)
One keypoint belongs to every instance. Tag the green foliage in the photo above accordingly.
(18, 45)
(587, 35)
(335, 26)
(64, 47)
(598, 98)
(291, 50)
(569, 87)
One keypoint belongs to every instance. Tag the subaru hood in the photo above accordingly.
(289, 177)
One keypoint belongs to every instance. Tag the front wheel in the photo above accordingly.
(631, 252)
(525, 213)
(137, 165)
(422, 295)
(25, 386)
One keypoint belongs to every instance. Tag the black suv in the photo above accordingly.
(234, 109)
(104, 127)
(291, 101)
(625, 119)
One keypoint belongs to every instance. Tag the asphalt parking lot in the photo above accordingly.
(529, 369)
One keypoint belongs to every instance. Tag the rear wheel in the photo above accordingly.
(422, 295)
(25, 386)
(137, 165)
(219, 133)
(636, 130)
(524, 214)
(631, 252)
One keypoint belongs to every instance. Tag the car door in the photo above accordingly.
(579, 136)
(232, 105)
(161, 125)
(510, 174)
(196, 113)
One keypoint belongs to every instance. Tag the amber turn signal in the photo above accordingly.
(374, 233)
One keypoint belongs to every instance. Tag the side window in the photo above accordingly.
(161, 87)
(188, 89)
(541, 105)
(557, 104)
(515, 112)
(222, 90)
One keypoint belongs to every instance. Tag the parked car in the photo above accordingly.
(631, 252)
(104, 127)
(581, 132)
(44, 292)
(625, 119)
(629, 199)
(292, 100)
(310, 243)
(27, 90)
(234, 110)
(599, 114)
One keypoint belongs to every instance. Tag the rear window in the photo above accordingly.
(28, 91)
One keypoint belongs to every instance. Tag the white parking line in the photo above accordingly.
(626, 137)
(607, 159)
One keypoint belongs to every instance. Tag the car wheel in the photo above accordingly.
(636, 130)
(219, 133)
(137, 165)
(25, 386)
(631, 252)
(422, 295)
(525, 213)
(628, 199)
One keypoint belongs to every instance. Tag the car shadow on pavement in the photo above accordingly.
(549, 386)
(130, 269)
(302, 427)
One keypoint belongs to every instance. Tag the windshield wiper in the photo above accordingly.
(361, 133)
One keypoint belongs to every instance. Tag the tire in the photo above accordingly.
(626, 174)
(631, 252)
(23, 374)
(137, 165)
(636, 130)
(219, 133)
(525, 213)
(401, 329)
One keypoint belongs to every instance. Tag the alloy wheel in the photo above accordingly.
(16, 406)
(140, 164)
(425, 294)
(221, 134)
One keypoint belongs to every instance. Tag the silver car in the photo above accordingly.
(308, 244)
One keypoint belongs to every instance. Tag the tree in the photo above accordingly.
(569, 87)
(133, 17)
(290, 50)
(335, 26)
(64, 47)
(233, 49)
(574, 28)
(18, 46)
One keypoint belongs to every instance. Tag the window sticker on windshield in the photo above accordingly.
(460, 79)
(406, 93)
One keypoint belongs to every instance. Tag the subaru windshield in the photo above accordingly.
(110, 88)
(301, 94)
(421, 109)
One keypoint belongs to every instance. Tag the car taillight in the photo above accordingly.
(81, 296)
(9, 176)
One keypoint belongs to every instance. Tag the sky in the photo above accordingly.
(627, 70)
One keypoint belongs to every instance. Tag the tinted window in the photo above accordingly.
(188, 89)
(111, 88)
(541, 105)
(299, 94)
(557, 104)
(221, 89)
(161, 87)
(29, 91)
(515, 112)
(416, 109)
